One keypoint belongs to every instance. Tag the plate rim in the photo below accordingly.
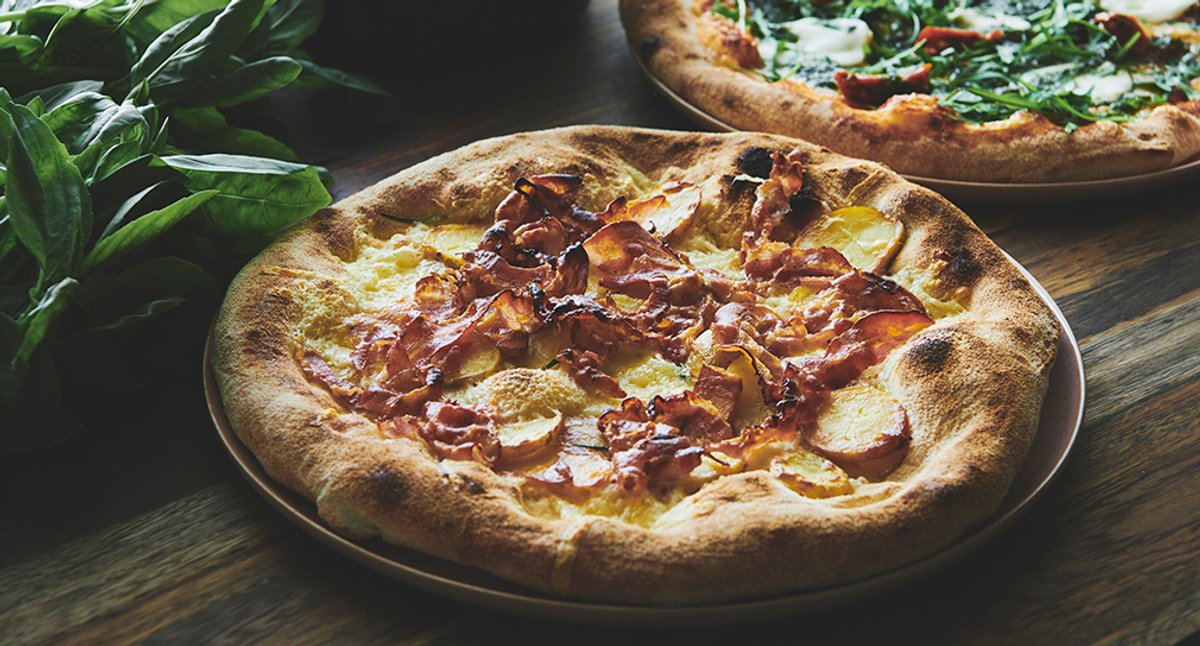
(536, 604)
(966, 188)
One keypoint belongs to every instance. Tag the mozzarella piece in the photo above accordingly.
(984, 23)
(1150, 10)
(842, 40)
(1104, 89)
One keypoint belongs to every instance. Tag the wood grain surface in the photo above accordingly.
(140, 528)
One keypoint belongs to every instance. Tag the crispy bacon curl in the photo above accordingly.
(586, 368)
(870, 91)
(457, 432)
(941, 38)
(789, 266)
(645, 452)
(1125, 28)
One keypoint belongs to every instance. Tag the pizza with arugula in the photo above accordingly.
(985, 90)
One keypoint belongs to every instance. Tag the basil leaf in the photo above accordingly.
(248, 82)
(158, 16)
(107, 297)
(134, 235)
(35, 324)
(204, 130)
(19, 47)
(317, 75)
(293, 21)
(47, 201)
(258, 196)
(30, 399)
(8, 238)
(192, 58)
(56, 95)
(167, 44)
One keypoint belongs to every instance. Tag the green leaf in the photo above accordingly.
(247, 83)
(293, 21)
(258, 196)
(19, 47)
(30, 399)
(36, 323)
(56, 95)
(204, 130)
(188, 60)
(108, 297)
(317, 75)
(168, 43)
(87, 36)
(160, 15)
(49, 206)
(135, 234)
(368, 97)
(8, 238)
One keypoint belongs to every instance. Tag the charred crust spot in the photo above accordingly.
(931, 354)
(962, 269)
(755, 162)
(650, 44)
(388, 484)
(471, 485)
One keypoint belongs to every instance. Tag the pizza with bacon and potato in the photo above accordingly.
(982, 90)
(641, 366)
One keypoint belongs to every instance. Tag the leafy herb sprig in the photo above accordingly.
(1029, 69)
(119, 171)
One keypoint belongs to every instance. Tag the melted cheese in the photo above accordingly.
(1102, 88)
(1150, 10)
(842, 40)
(986, 22)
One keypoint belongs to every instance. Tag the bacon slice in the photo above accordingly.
(694, 416)
(725, 36)
(459, 433)
(720, 387)
(645, 452)
(773, 200)
(586, 368)
(1125, 28)
(735, 322)
(870, 91)
(867, 343)
(789, 266)
(940, 38)
(628, 260)
(854, 295)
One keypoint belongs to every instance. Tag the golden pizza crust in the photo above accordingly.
(972, 387)
(908, 133)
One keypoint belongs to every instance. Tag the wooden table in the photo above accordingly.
(141, 528)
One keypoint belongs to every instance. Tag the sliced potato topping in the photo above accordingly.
(867, 237)
(862, 430)
(668, 213)
(809, 474)
(522, 440)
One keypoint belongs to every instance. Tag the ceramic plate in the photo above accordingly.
(1061, 417)
(959, 190)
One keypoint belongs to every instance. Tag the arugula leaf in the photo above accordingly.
(130, 237)
(49, 206)
(257, 195)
